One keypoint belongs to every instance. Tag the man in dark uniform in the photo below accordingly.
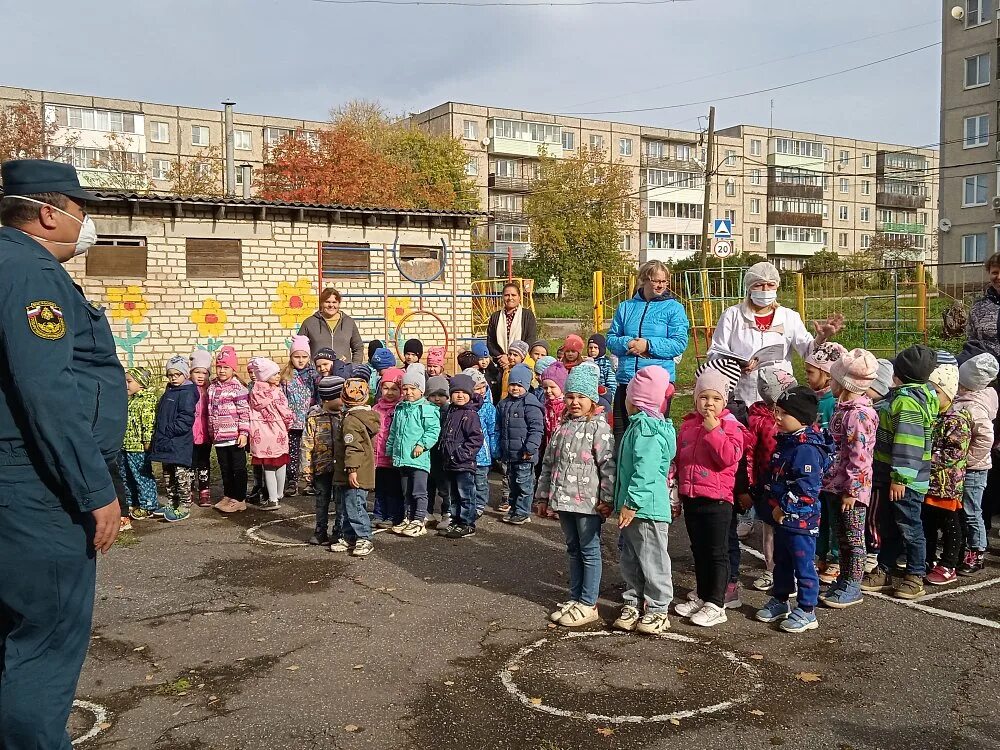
(62, 416)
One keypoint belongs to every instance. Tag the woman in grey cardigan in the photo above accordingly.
(329, 327)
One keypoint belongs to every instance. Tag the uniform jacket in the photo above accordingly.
(414, 423)
(385, 411)
(461, 438)
(647, 449)
(707, 462)
(578, 470)
(661, 321)
(827, 404)
(300, 392)
(853, 430)
(270, 419)
(950, 454)
(173, 439)
(355, 450)
(764, 432)
(982, 406)
(796, 475)
(228, 411)
(608, 377)
(200, 430)
(491, 434)
(141, 418)
(318, 441)
(522, 425)
(63, 403)
(905, 435)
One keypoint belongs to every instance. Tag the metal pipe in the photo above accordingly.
(230, 186)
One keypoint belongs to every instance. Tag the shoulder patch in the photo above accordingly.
(348, 438)
(45, 319)
(807, 468)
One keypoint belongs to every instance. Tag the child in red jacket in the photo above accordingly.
(709, 449)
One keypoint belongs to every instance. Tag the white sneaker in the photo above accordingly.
(579, 615)
(688, 608)
(765, 581)
(399, 528)
(653, 623)
(339, 545)
(414, 529)
(628, 619)
(362, 548)
(560, 610)
(871, 562)
(744, 529)
(708, 616)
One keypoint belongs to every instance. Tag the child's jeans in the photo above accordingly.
(136, 473)
(850, 525)
(645, 565)
(438, 485)
(583, 548)
(482, 489)
(708, 523)
(178, 481)
(414, 484)
(326, 495)
(827, 545)
(233, 468)
(521, 479)
(388, 494)
(902, 531)
(356, 524)
(949, 523)
(972, 510)
(794, 563)
(463, 497)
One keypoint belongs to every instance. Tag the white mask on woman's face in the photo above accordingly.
(88, 230)
(764, 297)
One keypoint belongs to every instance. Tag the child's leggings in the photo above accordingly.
(202, 466)
(294, 450)
(274, 480)
(851, 529)
(949, 524)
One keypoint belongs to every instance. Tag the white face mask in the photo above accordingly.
(764, 298)
(88, 230)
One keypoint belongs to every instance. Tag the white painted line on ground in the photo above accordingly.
(961, 589)
(253, 531)
(100, 714)
(751, 551)
(514, 665)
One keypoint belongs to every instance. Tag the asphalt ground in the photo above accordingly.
(207, 637)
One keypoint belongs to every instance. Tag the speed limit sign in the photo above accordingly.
(722, 249)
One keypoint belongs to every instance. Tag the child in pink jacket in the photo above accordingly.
(709, 448)
(270, 419)
(229, 427)
(201, 374)
(388, 485)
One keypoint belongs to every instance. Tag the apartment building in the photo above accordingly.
(970, 116)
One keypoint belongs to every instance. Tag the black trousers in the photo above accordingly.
(949, 524)
(707, 523)
(233, 467)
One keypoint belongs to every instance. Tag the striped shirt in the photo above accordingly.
(904, 437)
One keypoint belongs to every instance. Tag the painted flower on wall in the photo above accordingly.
(295, 302)
(396, 308)
(210, 318)
(127, 304)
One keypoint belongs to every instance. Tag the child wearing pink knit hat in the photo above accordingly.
(435, 361)
(298, 381)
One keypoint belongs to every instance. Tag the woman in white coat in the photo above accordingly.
(759, 331)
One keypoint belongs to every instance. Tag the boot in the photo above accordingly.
(205, 498)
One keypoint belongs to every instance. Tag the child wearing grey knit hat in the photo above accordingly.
(879, 388)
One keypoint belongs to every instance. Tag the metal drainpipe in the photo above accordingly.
(230, 159)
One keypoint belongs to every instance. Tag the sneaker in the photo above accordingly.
(205, 499)
(318, 539)
(974, 562)
(445, 521)
(871, 562)
(170, 515)
(653, 623)
(125, 525)
(909, 587)
(830, 590)
(830, 574)
(732, 599)
(291, 490)
(773, 610)
(504, 507)
(561, 609)
(445, 530)
(309, 490)
(140, 514)
(339, 545)
(362, 548)
(765, 581)
(256, 495)
(709, 616)
(415, 529)
(799, 621)
(628, 619)
(224, 501)
(233, 506)
(269, 505)
(579, 615)
(399, 528)
(744, 529)
(519, 520)
(878, 580)
(843, 597)
(460, 532)
(382, 523)
(688, 608)
(158, 513)
(941, 575)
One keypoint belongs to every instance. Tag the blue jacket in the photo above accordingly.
(795, 477)
(608, 376)
(173, 439)
(661, 321)
(491, 436)
(522, 425)
(461, 438)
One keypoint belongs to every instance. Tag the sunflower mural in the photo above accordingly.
(210, 320)
(294, 302)
(128, 306)
(396, 310)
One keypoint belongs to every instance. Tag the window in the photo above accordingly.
(977, 131)
(754, 147)
(518, 130)
(159, 132)
(508, 203)
(683, 152)
(755, 235)
(199, 135)
(668, 210)
(866, 241)
(974, 248)
(654, 149)
(568, 140)
(214, 259)
(671, 178)
(977, 70)
(95, 119)
(826, 211)
(866, 161)
(976, 190)
(793, 147)
(160, 169)
(866, 215)
(845, 185)
(977, 12)
(274, 136)
(470, 130)
(241, 140)
(203, 169)
(624, 146)
(798, 234)
(101, 159)
(117, 258)
(755, 205)
(826, 182)
(866, 187)
(731, 215)
(505, 168)
(239, 176)
(730, 158)
(842, 239)
(730, 187)
(345, 260)
(842, 213)
(596, 142)
(668, 241)
(796, 206)
(845, 158)
(626, 243)
(754, 176)
(511, 233)
(472, 166)
(787, 176)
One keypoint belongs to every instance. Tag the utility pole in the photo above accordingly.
(706, 217)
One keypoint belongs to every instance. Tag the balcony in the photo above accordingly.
(793, 190)
(516, 249)
(899, 200)
(509, 217)
(800, 249)
(513, 184)
(898, 228)
(901, 166)
(666, 162)
(787, 218)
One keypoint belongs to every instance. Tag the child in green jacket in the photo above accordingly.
(642, 501)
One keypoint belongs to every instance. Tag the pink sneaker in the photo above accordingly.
(941, 575)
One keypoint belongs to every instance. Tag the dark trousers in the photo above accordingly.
(258, 476)
(326, 495)
(949, 524)
(902, 532)
(733, 542)
(233, 467)
(294, 451)
(202, 465)
(463, 497)
(388, 494)
(794, 562)
(521, 479)
(414, 485)
(707, 523)
(620, 415)
(438, 485)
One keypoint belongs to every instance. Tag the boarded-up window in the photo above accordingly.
(214, 259)
(420, 262)
(117, 258)
(346, 260)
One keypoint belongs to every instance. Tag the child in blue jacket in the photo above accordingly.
(461, 439)
(482, 402)
(173, 438)
(522, 424)
(791, 503)
(597, 349)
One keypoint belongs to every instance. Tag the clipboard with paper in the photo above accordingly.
(767, 355)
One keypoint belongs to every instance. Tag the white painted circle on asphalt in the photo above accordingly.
(516, 661)
(254, 531)
(100, 714)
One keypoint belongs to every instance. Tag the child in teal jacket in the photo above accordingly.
(642, 501)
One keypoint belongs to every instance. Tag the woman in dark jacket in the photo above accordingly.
(512, 323)
(328, 327)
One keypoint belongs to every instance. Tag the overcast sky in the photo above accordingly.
(300, 57)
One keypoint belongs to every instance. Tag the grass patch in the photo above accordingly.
(564, 308)
(177, 687)
(127, 539)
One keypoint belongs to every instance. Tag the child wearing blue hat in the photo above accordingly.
(522, 423)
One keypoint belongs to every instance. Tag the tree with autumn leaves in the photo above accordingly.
(24, 134)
